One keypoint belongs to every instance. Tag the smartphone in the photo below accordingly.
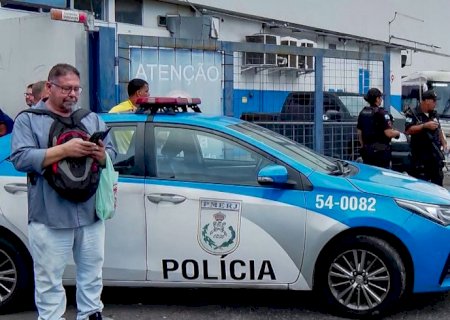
(99, 135)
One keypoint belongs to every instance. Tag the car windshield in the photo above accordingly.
(290, 148)
(353, 103)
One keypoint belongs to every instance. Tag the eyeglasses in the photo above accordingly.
(67, 90)
(26, 94)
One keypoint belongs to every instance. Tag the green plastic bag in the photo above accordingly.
(106, 195)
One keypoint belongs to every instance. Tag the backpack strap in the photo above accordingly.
(79, 114)
(74, 120)
(38, 111)
(32, 176)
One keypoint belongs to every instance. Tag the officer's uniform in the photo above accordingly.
(376, 149)
(427, 159)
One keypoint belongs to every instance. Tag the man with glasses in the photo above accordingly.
(29, 99)
(59, 228)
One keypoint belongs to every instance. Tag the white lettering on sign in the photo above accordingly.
(346, 203)
(188, 73)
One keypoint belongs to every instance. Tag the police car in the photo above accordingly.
(212, 201)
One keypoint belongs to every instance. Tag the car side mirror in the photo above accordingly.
(332, 115)
(273, 174)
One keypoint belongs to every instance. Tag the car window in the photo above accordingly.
(194, 155)
(284, 145)
(123, 138)
(330, 103)
(300, 99)
(298, 107)
(354, 104)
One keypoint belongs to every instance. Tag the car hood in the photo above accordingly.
(390, 183)
(5, 147)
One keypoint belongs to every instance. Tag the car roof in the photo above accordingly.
(340, 93)
(190, 118)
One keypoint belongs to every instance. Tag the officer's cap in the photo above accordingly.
(430, 94)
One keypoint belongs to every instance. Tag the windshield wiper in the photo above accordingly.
(341, 168)
(337, 170)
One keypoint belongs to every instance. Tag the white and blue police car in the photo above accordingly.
(212, 201)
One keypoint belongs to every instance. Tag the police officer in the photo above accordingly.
(375, 131)
(427, 140)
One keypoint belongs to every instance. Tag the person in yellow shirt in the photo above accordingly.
(137, 88)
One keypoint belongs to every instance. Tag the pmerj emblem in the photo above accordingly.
(219, 225)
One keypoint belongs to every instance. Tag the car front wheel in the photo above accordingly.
(15, 277)
(361, 276)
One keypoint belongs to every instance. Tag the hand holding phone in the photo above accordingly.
(99, 135)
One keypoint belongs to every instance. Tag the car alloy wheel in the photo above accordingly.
(8, 276)
(360, 275)
(16, 276)
(359, 279)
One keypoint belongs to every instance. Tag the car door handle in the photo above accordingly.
(16, 187)
(158, 197)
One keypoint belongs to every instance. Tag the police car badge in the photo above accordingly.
(219, 225)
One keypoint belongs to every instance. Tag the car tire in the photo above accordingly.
(370, 290)
(16, 280)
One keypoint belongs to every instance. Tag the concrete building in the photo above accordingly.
(363, 44)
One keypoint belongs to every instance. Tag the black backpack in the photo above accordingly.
(75, 179)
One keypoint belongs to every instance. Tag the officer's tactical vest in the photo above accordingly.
(369, 127)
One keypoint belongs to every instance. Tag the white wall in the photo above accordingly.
(30, 45)
(337, 73)
(423, 22)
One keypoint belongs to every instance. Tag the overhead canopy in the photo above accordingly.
(422, 77)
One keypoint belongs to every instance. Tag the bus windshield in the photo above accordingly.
(442, 90)
(418, 82)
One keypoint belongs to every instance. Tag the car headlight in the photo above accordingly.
(437, 213)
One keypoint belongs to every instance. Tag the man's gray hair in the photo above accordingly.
(61, 69)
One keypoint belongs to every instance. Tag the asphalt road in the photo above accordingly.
(226, 304)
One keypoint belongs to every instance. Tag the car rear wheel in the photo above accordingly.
(15, 277)
(361, 276)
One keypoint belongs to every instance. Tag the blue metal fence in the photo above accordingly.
(263, 88)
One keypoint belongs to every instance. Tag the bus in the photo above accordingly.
(416, 83)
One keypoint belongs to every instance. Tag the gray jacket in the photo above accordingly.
(29, 143)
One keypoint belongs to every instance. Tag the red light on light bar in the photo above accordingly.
(68, 15)
(169, 101)
(194, 101)
(142, 100)
(163, 100)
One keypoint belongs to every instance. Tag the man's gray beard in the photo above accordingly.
(69, 106)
